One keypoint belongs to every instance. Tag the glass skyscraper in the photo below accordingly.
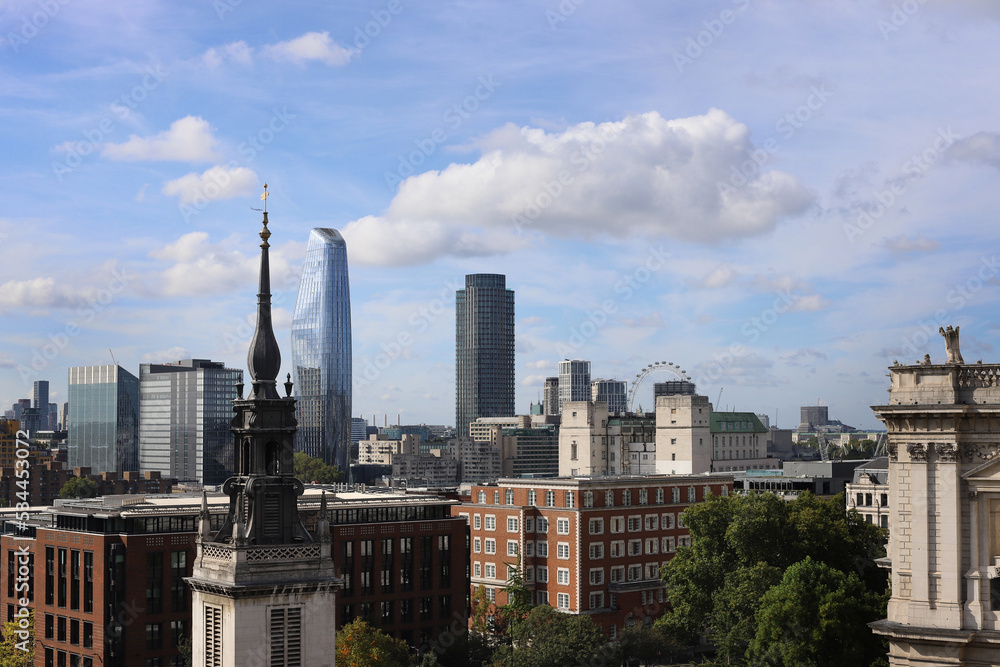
(484, 350)
(321, 351)
(574, 381)
(103, 426)
(184, 418)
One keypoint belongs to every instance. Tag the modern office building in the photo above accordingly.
(484, 350)
(103, 429)
(574, 381)
(321, 350)
(612, 392)
(184, 414)
(40, 401)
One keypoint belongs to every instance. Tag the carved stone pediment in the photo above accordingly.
(978, 451)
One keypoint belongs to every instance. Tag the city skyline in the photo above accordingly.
(782, 201)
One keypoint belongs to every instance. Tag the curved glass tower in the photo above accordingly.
(321, 350)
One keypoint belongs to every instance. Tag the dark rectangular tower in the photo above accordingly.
(484, 350)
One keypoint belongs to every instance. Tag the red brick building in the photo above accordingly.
(107, 574)
(590, 545)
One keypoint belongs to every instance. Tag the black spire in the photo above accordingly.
(263, 491)
(264, 357)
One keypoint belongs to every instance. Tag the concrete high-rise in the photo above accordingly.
(574, 381)
(184, 414)
(612, 392)
(103, 429)
(484, 350)
(321, 350)
(550, 398)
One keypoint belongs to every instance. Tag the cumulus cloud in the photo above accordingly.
(218, 182)
(308, 47)
(981, 148)
(641, 175)
(234, 52)
(198, 266)
(904, 245)
(540, 365)
(189, 139)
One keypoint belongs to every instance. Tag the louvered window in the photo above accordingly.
(213, 636)
(286, 637)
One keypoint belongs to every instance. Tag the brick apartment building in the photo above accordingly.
(587, 545)
(108, 573)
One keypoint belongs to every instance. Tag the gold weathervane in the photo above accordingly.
(263, 197)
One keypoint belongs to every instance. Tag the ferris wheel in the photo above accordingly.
(655, 367)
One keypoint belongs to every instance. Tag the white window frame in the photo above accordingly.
(512, 547)
(562, 576)
(563, 601)
(596, 551)
(562, 550)
(597, 526)
(512, 522)
(562, 526)
(490, 547)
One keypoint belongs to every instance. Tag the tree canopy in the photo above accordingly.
(12, 648)
(361, 645)
(741, 549)
(549, 638)
(311, 469)
(78, 487)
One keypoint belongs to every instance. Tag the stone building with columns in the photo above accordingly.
(943, 424)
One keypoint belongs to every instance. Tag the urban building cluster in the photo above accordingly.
(583, 497)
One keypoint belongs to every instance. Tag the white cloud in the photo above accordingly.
(308, 47)
(237, 52)
(533, 381)
(720, 276)
(189, 139)
(41, 293)
(218, 182)
(981, 147)
(540, 365)
(902, 245)
(198, 266)
(169, 356)
(642, 175)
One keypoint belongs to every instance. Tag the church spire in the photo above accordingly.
(264, 357)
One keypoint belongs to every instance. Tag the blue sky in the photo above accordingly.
(780, 198)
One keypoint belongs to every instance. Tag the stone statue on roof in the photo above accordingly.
(951, 344)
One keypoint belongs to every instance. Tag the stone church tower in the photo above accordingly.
(943, 424)
(263, 587)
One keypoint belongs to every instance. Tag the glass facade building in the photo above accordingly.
(321, 351)
(484, 350)
(612, 392)
(184, 414)
(103, 429)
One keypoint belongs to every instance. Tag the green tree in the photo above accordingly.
(741, 544)
(12, 648)
(361, 645)
(648, 644)
(78, 487)
(548, 638)
(817, 616)
(311, 469)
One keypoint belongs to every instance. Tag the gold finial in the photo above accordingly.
(263, 198)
